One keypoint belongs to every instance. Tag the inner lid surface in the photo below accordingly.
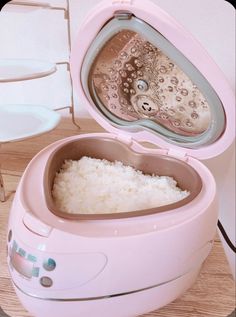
(138, 79)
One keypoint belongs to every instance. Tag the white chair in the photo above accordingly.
(12, 70)
(57, 5)
(19, 122)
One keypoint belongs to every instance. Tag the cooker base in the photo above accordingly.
(130, 305)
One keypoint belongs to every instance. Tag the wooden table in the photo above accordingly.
(213, 295)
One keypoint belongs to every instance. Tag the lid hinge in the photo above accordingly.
(178, 154)
(124, 139)
(123, 15)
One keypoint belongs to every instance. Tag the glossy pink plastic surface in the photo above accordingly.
(94, 258)
(166, 245)
(124, 306)
(118, 257)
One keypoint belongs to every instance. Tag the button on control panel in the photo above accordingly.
(49, 265)
(31, 258)
(46, 281)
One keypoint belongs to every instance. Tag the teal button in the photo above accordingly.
(31, 258)
(15, 246)
(22, 252)
(49, 265)
(35, 272)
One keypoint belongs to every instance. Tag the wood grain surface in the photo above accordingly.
(213, 294)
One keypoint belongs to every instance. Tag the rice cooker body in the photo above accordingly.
(119, 266)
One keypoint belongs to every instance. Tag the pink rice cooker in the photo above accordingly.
(145, 80)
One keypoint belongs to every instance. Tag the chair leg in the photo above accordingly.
(2, 190)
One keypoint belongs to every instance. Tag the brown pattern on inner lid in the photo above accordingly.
(135, 80)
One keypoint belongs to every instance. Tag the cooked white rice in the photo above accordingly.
(91, 186)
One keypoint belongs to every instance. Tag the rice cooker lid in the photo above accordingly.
(144, 77)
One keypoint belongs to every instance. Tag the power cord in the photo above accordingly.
(227, 239)
(233, 314)
(2, 313)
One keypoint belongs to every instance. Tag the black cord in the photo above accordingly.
(233, 314)
(1, 6)
(2, 313)
(227, 239)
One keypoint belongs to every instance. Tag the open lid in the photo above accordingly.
(142, 75)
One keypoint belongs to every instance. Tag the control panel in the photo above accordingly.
(26, 264)
(65, 271)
